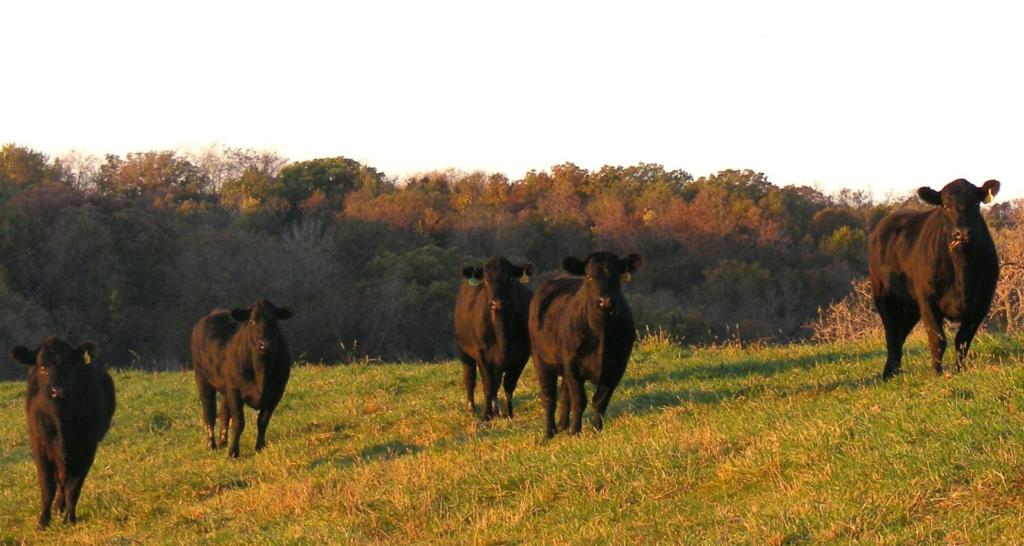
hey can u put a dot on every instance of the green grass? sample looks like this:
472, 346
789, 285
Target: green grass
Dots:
765, 445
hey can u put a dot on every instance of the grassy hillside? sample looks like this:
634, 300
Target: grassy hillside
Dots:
723, 445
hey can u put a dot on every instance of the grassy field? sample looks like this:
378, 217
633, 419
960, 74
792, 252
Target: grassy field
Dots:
764, 445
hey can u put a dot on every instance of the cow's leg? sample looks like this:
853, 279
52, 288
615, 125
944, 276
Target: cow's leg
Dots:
234, 403
602, 396
898, 321
47, 487
262, 421
73, 481
492, 392
469, 380
509, 383
564, 407
208, 399
490, 385
547, 381
933, 324
72, 489
225, 422
59, 499
578, 397
964, 337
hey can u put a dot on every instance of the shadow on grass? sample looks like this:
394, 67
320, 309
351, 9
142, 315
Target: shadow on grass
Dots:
16, 455
656, 400
222, 487
381, 452
751, 367
388, 450
648, 402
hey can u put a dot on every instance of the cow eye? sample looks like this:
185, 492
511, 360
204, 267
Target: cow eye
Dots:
589, 276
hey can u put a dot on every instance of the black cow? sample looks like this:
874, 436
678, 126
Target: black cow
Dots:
491, 329
241, 354
581, 329
69, 405
934, 265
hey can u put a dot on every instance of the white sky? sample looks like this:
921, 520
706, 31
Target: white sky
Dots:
869, 95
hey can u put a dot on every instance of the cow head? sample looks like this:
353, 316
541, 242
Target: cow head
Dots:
497, 278
260, 322
56, 365
961, 208
603, 274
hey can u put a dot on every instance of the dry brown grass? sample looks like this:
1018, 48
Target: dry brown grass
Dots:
1008, 304
852, 318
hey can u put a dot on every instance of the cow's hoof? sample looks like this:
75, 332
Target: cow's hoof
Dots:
887, 375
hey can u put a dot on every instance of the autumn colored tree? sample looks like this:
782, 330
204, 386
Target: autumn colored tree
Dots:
131, 251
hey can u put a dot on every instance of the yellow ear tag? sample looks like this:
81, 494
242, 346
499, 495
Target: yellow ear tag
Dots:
525, 278
86, 358
988, 198
626, 277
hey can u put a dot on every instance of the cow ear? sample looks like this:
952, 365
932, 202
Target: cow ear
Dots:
241, 315
86, 350
284, 313
988, 190
632, 263
523, 272
573, 265
929, 195
23, 355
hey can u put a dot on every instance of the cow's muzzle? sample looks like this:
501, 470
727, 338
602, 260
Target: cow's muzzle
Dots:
55, 393
961, 238
606, 305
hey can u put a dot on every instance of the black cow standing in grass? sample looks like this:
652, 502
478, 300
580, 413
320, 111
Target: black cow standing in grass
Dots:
69, 405
241, 354
581, 328
932, 266
491, 330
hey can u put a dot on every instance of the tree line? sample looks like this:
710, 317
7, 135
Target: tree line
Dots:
130, 251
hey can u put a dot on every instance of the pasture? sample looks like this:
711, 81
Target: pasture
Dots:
761, 445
